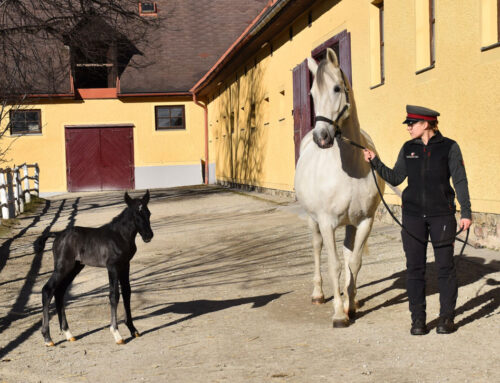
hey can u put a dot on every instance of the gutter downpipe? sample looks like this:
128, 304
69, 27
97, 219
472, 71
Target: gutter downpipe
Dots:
205, 109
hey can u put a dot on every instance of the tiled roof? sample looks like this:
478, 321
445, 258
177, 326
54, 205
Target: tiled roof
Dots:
193, 35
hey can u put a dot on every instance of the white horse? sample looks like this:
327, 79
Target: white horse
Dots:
334, 185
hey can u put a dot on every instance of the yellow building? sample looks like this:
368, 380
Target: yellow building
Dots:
117, 115
441, 54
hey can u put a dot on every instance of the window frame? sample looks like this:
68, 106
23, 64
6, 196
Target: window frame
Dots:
432, 31
497, 43
170, 128
153, 13
25, 132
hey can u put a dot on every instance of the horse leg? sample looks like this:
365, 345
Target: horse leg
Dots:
317, 240
47, 294
125, 286
114, 298
340, 319
59, 295
353, 252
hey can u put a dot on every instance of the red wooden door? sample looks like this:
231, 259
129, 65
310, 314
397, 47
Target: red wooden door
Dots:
99, 158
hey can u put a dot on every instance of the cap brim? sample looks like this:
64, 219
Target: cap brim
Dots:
410, 121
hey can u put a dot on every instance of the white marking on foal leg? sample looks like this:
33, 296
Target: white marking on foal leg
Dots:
116, 334
69, 336
49, 344
317, 241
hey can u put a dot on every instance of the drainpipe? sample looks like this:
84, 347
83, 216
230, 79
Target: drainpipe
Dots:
205, 109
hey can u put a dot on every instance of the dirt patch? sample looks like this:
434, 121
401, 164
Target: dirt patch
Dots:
222, 294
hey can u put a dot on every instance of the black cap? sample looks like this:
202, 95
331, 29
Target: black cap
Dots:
419, 113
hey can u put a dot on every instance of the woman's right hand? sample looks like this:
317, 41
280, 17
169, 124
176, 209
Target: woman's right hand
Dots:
369, 155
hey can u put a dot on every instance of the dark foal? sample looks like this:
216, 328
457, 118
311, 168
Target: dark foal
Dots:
111, 246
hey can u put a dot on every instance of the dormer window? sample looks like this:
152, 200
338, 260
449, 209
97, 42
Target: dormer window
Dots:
148, 9
95, 67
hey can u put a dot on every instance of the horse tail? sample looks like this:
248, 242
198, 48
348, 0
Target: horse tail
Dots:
39, 245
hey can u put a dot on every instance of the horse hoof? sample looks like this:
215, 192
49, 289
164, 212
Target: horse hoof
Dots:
121, 341
136, 334
49, 344
340, 323
72, 339
318, 301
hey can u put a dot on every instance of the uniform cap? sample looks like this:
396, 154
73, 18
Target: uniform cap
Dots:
419, 113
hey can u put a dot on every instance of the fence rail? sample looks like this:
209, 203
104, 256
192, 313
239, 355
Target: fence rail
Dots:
15, 191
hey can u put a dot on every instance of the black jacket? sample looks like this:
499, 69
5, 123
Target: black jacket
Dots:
429, 168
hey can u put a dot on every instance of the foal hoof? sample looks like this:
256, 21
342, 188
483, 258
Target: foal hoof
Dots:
340, 323
49, 344
318, 301
136, 334
72, 339
121, 341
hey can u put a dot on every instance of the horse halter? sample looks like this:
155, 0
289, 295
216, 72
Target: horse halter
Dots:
335, 123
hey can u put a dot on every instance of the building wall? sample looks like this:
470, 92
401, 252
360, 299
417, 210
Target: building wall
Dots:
462, 86
162, 158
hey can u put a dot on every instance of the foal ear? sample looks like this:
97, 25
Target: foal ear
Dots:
145, 199
332, 57
312, 65
128, 200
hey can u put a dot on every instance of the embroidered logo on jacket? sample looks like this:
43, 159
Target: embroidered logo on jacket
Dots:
412, 155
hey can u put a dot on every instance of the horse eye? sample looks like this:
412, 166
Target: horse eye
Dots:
336, 89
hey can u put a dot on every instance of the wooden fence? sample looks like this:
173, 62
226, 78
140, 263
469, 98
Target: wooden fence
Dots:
15, 190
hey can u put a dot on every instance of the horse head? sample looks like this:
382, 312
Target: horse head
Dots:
141, 214
330, 95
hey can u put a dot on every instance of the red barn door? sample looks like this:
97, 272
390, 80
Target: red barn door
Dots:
99, 158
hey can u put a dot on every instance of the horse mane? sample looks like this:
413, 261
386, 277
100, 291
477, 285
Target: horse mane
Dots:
320, 74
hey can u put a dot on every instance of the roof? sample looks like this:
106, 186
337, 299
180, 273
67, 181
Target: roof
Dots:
192, 37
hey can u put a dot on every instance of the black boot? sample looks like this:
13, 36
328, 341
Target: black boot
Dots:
445, 326
418, 327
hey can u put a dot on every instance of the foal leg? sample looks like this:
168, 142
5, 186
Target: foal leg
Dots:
47, 294
59, 295
340, 319
125, 286
114, 297
356, 238
317, 240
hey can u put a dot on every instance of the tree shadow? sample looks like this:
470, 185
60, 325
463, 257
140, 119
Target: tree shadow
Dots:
469, 270
196, 308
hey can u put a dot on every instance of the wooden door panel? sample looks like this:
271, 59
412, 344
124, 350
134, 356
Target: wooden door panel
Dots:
83, 159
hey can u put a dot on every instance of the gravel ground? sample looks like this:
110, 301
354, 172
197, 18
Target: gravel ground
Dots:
222, 294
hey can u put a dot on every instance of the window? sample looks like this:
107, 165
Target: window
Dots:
425, 35
25, 121
490, 24
95, 66
148, 9
377, 65
170, 117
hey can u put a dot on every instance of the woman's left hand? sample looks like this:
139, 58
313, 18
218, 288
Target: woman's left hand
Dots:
465, 223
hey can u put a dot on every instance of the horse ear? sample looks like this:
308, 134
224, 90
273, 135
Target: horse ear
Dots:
313, 65
128, 200
145, 199
332, 57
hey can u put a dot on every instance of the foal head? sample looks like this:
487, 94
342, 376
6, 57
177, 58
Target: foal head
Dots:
330, 95
141, 214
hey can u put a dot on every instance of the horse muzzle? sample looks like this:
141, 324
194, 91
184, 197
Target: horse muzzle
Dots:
147, 237
323, 138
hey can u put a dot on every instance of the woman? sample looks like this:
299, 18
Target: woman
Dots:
428, 160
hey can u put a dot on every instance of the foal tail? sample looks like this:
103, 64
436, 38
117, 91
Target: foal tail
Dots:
39, 245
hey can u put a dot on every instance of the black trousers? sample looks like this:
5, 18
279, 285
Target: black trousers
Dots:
442, 231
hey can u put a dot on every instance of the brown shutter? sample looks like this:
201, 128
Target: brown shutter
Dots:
301, 105
345, 54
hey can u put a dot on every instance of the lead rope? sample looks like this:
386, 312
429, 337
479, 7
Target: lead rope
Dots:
426, 241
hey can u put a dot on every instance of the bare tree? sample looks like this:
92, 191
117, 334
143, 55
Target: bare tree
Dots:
45, 45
